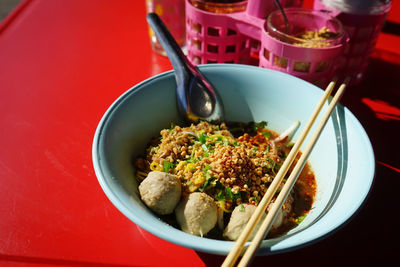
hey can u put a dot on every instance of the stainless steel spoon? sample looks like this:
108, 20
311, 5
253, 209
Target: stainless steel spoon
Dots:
196, 97
278, 4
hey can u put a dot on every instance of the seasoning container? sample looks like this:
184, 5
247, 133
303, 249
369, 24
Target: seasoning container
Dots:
172, 13
363, 21
227, 31
211, 34
309, 49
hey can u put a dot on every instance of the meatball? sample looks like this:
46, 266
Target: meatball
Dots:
161, 192
242, 213
239, 218
197, 214
282, 214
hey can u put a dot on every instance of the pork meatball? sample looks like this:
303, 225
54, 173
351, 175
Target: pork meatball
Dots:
242, 213
161, 192
282, 214
197, 214
239, 218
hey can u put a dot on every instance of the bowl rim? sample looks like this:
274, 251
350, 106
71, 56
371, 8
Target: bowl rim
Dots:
213, 246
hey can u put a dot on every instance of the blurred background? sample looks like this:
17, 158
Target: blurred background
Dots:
6, 6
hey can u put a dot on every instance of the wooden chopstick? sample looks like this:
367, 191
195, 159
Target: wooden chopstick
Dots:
267, 223
244, 236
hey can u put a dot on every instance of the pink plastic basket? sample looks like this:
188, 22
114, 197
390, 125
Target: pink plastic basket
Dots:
232, 36
314, 64
214, 37
239, 36
363, 31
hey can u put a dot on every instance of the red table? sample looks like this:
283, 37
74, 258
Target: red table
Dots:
62, 63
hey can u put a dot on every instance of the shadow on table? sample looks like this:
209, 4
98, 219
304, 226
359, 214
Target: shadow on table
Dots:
376, 103
366, 238
391, 27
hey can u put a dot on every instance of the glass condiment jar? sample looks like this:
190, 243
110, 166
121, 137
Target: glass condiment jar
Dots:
308, 49
307, 28
172, 13
363, 21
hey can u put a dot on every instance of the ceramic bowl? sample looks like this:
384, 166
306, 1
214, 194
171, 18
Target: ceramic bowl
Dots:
342, 159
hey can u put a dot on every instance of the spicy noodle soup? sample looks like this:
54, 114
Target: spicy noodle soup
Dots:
233, 164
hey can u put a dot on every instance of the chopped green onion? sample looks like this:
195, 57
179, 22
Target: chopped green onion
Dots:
220, 196
207, 168
192, 160
266, 134
207, 184
206, 172
300, 219
241, 208
228, 193
203, 138
289, 145
259, 125
167, 166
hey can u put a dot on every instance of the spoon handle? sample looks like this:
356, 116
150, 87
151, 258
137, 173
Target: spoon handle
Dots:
178, 60
278, 4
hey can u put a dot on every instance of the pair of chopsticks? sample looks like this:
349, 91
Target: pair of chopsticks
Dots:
233, 255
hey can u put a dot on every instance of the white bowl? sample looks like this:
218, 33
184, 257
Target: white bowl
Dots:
343, 159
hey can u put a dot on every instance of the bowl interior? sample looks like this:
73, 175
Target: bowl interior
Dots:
342, 159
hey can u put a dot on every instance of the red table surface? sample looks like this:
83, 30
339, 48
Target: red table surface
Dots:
62, 63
